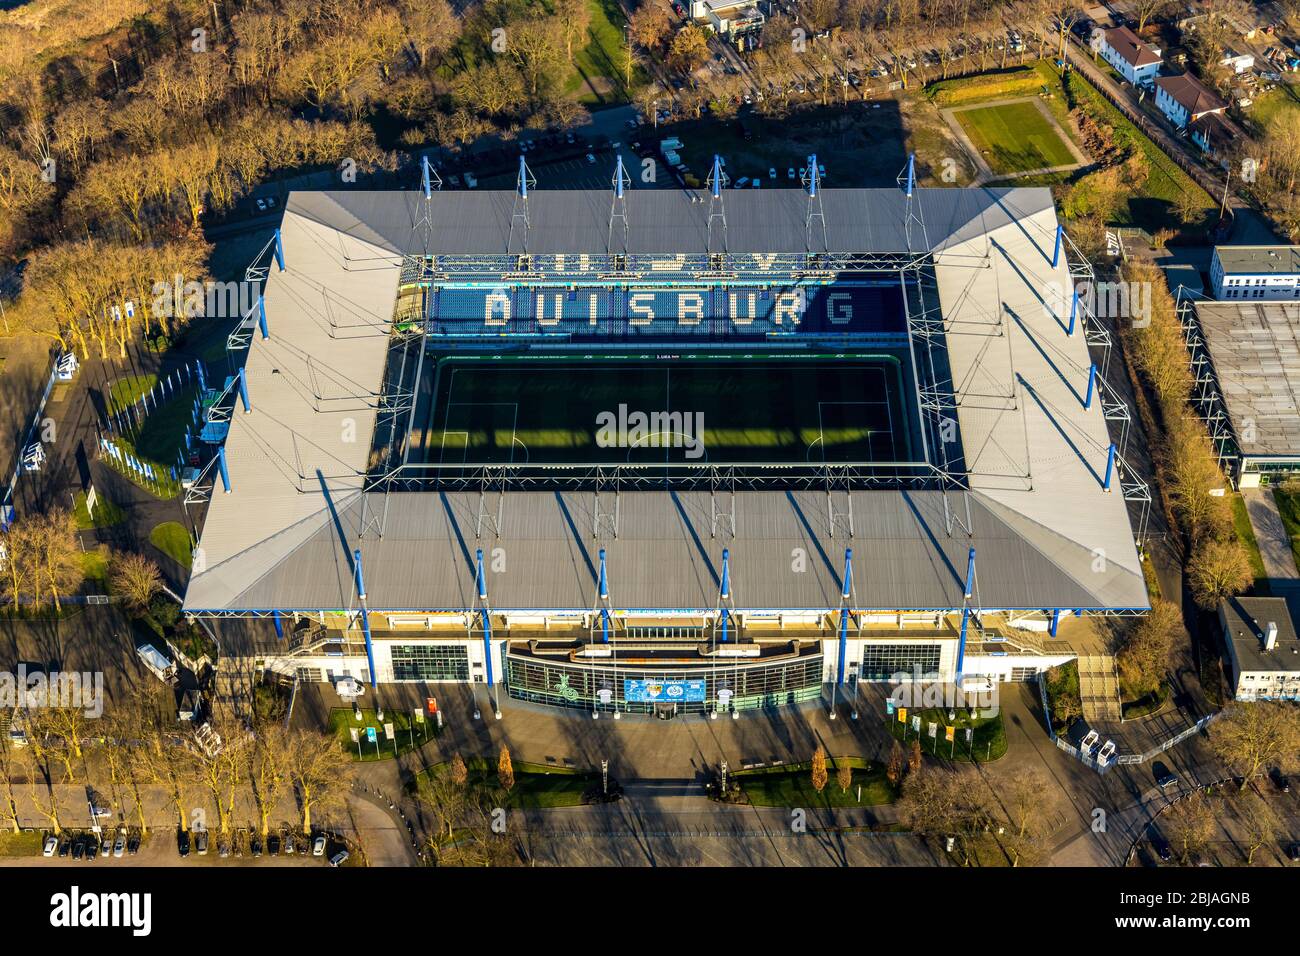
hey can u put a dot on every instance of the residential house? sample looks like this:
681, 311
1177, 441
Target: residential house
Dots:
1184, 99
1131, 56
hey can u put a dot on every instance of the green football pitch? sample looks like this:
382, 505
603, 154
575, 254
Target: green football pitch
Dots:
1015, 137
613, 410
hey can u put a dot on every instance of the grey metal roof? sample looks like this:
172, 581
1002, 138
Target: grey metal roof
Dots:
666, 557
469, 222
1049, 535
1255, 348
1259, 260
1246, 619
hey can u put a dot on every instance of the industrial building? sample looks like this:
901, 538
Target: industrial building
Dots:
1246, 365
877, 439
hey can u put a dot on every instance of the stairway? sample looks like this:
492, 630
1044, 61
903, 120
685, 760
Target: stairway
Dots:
1099, 688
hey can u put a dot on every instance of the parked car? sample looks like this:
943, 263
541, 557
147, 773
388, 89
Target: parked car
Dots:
771, 172
51, 845
201, 842
591, 159
255, 845
119, 845
183, 842
1293, 853
105, 847
272, 845
339, 858
1161, 846
1280, 780
79, 848
65, 847
318, 847
132, 845
288, 845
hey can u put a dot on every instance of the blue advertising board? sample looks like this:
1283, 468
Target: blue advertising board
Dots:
663, 691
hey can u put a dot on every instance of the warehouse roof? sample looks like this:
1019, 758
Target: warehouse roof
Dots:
1255, 350
1048, 533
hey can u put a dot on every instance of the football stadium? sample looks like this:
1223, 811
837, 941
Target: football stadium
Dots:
663, 451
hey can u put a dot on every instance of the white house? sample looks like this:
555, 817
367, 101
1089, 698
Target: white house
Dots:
1133, 58
1184, 99
1262, 648
1269, 273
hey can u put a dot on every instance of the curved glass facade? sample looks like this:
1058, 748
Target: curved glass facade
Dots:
602, 686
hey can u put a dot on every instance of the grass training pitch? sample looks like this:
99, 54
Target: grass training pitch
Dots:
1015, 137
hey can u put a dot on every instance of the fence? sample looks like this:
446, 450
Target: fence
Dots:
1103, 767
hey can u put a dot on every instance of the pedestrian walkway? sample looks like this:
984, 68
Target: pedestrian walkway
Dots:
1270, 534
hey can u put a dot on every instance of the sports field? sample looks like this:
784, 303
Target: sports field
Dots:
1015, 137
696, 409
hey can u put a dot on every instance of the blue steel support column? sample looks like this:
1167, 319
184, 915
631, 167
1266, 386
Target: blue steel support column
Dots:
1056, 250
1074, 311
221, 466
965, 614
481, 580
911, 174
279, 250
523, 179
424, 177
243, 392
365, 617
1056, 619
1110, 468
279, 628
961, 645
717, 176
618, 177
604, 596
261, 317
844, 613
1092, 385
725, 593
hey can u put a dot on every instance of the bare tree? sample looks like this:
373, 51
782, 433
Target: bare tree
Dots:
320, 772
1190, 825
136, 578
1251, 737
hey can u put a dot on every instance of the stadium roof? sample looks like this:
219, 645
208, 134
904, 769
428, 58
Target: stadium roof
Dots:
1255, 350
1047, 534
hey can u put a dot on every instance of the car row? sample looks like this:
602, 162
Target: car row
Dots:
285, 842
91, 846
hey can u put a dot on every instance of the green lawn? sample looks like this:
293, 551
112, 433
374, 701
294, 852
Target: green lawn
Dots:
173, 540
989, 740
1019, 81
790, 785
106, 514
1288, 503
537, 786
1246, 535
94, 564
598, 62
1015, 137
129, 389
341, 722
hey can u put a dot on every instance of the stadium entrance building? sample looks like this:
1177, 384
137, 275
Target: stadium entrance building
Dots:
646, 449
